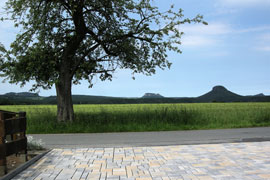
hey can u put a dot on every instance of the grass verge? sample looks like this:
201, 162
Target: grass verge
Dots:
146, 117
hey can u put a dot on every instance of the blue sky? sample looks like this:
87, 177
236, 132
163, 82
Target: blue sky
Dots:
233, 51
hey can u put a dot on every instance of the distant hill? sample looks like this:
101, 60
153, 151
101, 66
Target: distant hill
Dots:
13, 98
259, 95
22, 94
152, 95
219, 94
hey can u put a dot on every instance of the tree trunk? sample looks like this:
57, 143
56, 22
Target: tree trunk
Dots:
65, 111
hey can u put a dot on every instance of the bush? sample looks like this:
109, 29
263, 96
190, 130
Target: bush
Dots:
33, 144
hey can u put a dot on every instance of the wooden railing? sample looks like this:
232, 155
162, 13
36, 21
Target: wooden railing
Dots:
12, 136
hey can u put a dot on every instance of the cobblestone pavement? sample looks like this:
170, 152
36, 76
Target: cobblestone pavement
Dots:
201, 162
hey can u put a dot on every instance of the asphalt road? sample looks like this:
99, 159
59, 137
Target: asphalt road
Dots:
154, 138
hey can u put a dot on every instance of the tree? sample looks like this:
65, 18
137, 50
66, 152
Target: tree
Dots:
64, 41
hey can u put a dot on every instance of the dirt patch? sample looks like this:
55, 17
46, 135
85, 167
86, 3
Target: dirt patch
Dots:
15, 161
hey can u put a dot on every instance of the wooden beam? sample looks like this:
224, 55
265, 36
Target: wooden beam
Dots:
15, 125
2, 152
16, 146
2, 129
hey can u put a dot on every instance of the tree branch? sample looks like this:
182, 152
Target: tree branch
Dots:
76, 66
101, 43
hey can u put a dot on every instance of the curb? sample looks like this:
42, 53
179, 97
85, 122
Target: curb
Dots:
22, 167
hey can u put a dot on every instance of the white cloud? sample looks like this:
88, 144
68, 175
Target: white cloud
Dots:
7, 33
198, 41
265, 37
2, 5
263, 42
221, 11
252, 29
263, 48
211, 29
199, 35
6, 24
225, 7
244, 3
7, 30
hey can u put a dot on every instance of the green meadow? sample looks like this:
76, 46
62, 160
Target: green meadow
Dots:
146, 117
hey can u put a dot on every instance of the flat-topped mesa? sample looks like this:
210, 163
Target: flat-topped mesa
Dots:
152, 95
219, 88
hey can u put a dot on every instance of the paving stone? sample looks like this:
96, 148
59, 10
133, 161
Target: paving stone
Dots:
187, 162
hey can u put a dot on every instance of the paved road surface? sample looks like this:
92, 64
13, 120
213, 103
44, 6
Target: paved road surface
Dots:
154, 138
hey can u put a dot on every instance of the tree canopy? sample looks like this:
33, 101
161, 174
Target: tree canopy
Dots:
81, 39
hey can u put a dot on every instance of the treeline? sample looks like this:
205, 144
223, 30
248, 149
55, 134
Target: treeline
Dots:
81, 99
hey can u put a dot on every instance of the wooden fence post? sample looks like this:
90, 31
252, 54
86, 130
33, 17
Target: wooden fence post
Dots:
3, 164
22, 134
14, 125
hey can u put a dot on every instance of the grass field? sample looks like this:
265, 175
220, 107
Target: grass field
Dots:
146, 117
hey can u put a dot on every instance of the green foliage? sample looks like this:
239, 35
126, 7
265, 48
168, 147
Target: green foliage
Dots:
83, 39
146, 117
